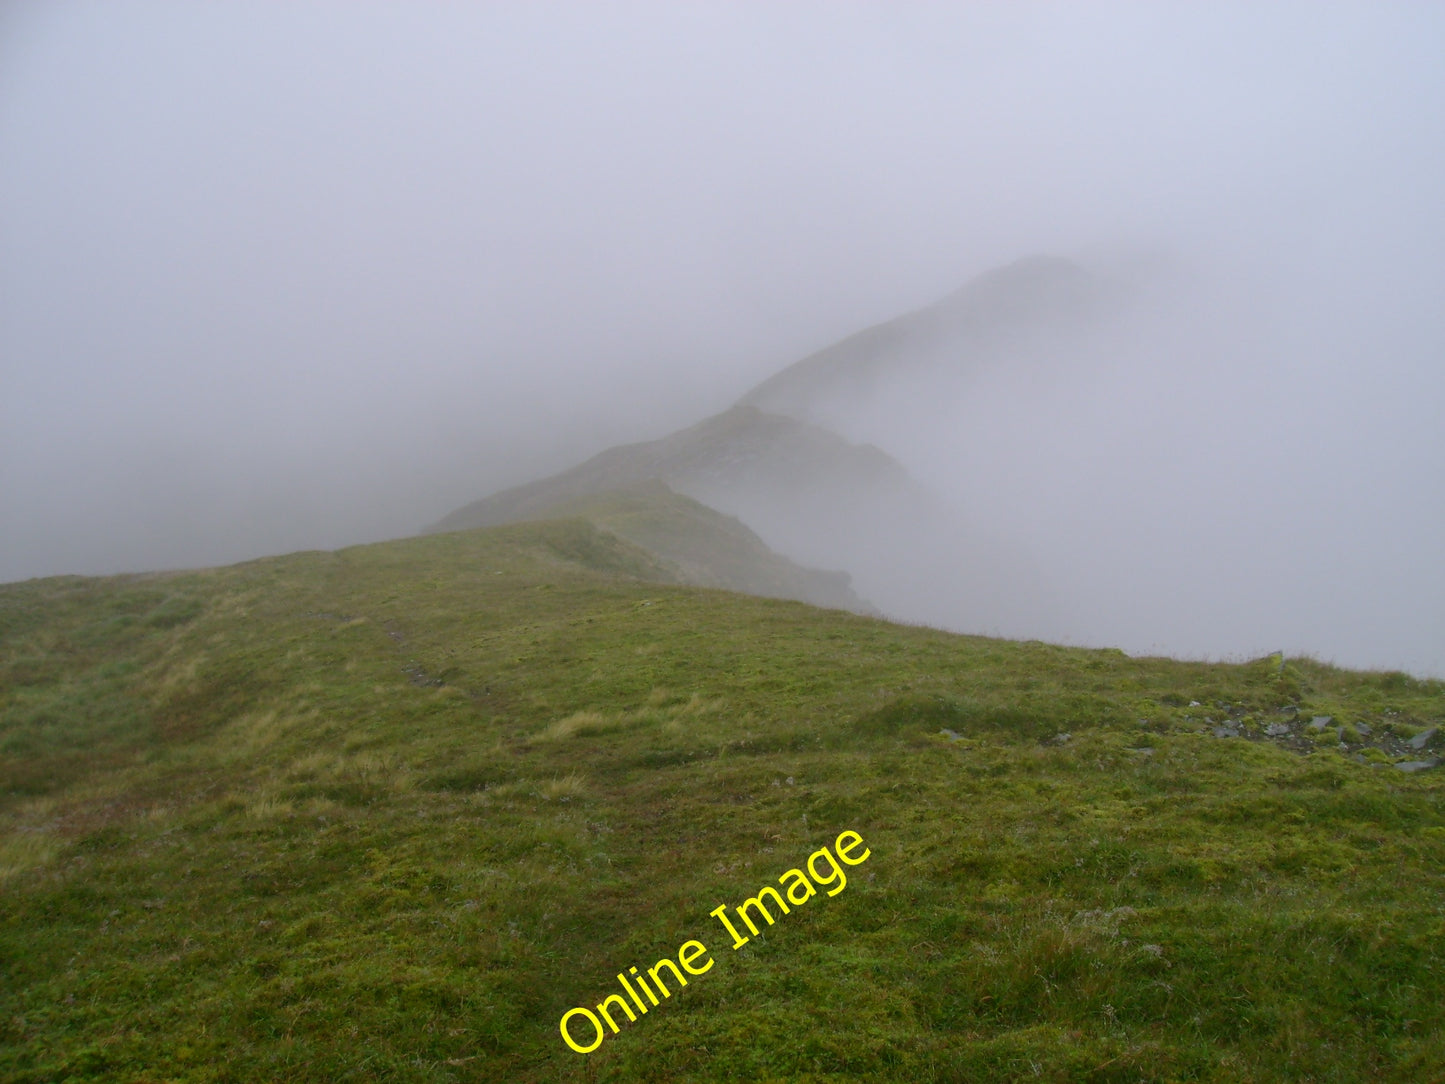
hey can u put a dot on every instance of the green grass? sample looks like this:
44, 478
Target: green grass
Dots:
704, 547
388, 813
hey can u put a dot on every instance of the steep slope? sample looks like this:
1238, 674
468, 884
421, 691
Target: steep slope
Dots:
1001, 311
741, 451
389, 813
790, 482
709, 549
698, 544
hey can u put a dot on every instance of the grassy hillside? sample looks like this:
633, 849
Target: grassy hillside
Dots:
703, 547
389, 813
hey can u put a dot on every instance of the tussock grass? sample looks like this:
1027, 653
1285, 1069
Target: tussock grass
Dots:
269, 807
662, 709
580, 724
26, 851
563, 788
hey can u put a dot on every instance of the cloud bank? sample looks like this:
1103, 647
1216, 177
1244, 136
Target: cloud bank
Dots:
278, 277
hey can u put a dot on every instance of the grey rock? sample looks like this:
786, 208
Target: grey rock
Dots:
1319, 722
1062, 738
1416, 765
1424, 738
1363, 729
1290, 710
951, 735
1277, 730
1226, 732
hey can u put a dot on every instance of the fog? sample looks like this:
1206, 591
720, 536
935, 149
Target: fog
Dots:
277, 277
1204, 464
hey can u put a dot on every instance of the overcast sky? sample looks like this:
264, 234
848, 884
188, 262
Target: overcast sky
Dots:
280, 276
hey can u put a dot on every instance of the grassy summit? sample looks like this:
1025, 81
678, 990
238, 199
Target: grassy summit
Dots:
388, 813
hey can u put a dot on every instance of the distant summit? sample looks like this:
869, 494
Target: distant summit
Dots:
773, 462
1032, 296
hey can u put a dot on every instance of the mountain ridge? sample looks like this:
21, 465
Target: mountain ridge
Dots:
1028, 293
732, 445
820, 500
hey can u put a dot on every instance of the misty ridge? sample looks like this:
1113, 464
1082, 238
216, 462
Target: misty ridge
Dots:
1051, 452
1107, 328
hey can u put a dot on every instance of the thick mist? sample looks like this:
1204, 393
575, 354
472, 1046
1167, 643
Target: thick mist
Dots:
289, 276
1212, 464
